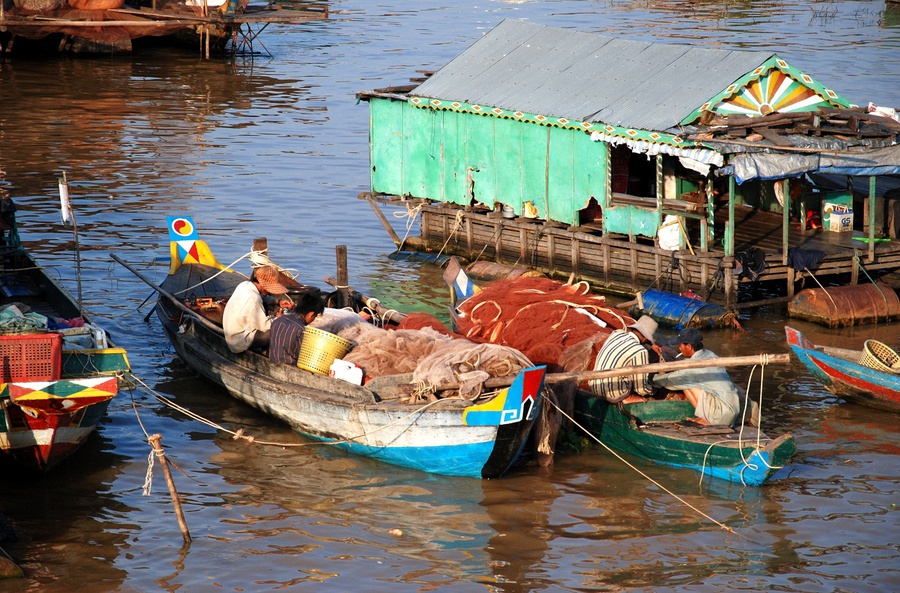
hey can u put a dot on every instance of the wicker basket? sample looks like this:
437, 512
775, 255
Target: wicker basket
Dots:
880, 357
319, 349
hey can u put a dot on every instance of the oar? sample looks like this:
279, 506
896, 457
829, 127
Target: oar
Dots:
659, 367
203, 320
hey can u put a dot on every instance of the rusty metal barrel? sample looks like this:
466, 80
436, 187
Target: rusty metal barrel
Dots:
844, 306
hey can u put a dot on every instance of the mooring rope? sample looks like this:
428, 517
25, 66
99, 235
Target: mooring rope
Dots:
457, 222
644, 475
825, 290
411, 214
240, 434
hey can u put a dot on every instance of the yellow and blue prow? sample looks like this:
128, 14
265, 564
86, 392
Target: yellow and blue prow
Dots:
185, 246
520, 402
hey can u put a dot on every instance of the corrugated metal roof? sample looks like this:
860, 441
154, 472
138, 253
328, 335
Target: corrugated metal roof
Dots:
522, 66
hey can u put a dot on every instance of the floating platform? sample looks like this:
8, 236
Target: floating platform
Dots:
60, 26
616, 263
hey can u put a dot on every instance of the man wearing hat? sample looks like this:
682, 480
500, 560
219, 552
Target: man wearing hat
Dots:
710, 390
623, 348
244, 320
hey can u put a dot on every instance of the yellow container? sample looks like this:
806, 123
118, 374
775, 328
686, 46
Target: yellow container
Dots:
319, 349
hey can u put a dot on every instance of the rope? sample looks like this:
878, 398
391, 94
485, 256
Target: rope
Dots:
457, 222
411, 214
240, 435
875, 284
825, 290
642, 474
222, 271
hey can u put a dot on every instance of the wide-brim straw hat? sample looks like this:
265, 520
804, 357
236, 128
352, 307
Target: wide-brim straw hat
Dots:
267, 277
646, 325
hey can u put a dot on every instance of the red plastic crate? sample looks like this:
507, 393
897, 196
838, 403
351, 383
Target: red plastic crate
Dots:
30, 357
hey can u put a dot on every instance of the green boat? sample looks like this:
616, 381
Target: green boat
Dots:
660, 431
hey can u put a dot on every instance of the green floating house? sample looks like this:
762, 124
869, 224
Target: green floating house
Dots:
628, 162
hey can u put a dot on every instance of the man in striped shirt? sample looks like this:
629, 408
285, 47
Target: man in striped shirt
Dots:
626, 347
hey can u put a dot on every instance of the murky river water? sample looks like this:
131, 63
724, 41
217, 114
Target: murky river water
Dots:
277, 147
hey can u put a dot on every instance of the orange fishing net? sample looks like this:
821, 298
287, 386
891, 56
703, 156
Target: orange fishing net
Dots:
560, 325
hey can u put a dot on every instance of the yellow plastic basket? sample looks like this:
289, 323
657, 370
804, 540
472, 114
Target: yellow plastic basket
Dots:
880, 357
319, 349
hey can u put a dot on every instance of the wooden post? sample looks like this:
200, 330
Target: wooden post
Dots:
872, 206
155, 443
261, 244
729, 231
343, 277
383, 219
786, 220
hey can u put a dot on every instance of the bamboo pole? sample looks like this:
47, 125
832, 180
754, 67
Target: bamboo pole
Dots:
155, 442
384, 220
660, 367
206, 322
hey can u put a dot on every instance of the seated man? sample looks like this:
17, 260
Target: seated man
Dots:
710, 390
244, 319
627, 347
287, 329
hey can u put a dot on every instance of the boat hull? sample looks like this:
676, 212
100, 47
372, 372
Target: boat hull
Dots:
46, 415
840, 375
663, 437
43, 423
449, 437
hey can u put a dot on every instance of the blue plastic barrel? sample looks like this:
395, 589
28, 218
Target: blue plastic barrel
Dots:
674, 310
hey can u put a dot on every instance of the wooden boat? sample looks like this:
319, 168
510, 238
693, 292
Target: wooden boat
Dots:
659, 430
57, 381
451, 436
841, 373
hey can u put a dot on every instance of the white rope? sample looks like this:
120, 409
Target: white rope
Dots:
148, 479
222, 271
411, 214
652, 481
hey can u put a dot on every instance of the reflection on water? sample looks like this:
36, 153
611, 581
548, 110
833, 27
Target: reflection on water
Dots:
278, 148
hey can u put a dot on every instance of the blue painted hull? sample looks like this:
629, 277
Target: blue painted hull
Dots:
841, 375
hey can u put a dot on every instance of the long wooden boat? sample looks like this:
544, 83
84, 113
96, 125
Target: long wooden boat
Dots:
56, 381
659, 430
451, 436
841, 373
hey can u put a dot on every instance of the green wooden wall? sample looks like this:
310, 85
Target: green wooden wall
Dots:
446, 155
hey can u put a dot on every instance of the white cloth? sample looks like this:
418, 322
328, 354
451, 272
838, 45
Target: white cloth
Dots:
244, 315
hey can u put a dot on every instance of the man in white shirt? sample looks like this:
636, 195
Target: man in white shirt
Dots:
244, 320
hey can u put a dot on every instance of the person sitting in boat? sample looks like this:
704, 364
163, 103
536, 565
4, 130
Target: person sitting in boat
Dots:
287, 329
244, 319
631, 346
714, 397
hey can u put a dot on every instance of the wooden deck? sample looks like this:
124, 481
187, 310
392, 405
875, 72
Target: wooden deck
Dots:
622, 264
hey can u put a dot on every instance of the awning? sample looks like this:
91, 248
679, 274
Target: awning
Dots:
761, 165
701, 155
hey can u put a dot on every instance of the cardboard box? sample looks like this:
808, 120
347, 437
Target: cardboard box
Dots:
837, 212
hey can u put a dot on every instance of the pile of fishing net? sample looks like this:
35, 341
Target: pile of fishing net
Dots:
436, 360
550, 322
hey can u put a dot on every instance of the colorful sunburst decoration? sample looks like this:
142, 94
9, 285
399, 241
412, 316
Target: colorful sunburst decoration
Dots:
771, 92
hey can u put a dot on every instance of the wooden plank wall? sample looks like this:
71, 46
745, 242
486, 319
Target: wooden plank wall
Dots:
607, 262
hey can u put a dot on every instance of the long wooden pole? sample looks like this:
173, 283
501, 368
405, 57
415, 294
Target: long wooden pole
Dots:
155, 442
660, 367
206, 322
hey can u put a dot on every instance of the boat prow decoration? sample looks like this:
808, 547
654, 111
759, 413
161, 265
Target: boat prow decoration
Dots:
185, 245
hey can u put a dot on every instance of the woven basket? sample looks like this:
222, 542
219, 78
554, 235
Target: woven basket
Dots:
319, 349
880, 357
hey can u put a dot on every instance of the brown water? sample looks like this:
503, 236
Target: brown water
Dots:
277, 147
